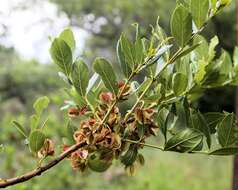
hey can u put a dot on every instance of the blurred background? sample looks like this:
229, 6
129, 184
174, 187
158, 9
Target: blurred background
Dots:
26, 73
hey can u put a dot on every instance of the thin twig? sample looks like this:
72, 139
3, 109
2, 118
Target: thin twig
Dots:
138, 100
170, 61
144, 144
38, 171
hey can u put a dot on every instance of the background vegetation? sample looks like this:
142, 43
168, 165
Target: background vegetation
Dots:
23, 81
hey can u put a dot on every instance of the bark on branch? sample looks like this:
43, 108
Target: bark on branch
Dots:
38, 171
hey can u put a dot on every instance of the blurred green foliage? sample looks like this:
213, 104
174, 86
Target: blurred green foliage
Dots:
106, 19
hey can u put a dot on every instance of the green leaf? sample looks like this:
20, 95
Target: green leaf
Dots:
167, 119
213, 3
68, 36
41, 104
188, 50
185, 3
61, 55
226, 65
201, 72
139, 54
227, 135
92, 98
98, 165
105, 70
225, 151
80, 77
213, 118
34, 121
235, 57
199, 10
143, 86
179, 83
171, 118
183, 66
130, 156
211, 51
36, 140
64, 77
161, 118
160, 52
181, 25
70, 132
92, 82
202, 49
128, 50
199, 123
122, 60
141, 130
182, 113
20, 128
218, 5
76, 98
213, 6
185, 141
224, 3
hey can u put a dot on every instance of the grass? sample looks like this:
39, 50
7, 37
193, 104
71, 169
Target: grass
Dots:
162, 171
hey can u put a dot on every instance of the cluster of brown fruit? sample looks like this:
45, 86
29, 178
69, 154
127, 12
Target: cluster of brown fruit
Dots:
113, 139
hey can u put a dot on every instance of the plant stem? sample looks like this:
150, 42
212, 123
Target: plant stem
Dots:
92, 108
144, 144
117, 98
160, 148
170, 61
38, 171
138, 100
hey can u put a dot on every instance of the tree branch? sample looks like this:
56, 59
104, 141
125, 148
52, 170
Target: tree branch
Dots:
38, 171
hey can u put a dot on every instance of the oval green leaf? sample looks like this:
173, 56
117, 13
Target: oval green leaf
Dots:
130, 156
225, 151
19, 128
68, 36
105, 70
36, 140
199, 10
226, 131
40, 104
181, 25
179, 83
185, 141
122, 60
80, 77
61, 55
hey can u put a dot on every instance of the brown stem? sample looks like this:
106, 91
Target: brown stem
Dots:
38, 171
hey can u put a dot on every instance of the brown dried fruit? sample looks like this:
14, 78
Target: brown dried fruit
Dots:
47, 149
73, 112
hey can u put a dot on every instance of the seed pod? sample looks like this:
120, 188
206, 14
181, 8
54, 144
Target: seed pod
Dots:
107, 97
73, 112
139, 115
83, 110
79, 136
47, 149
126, 89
